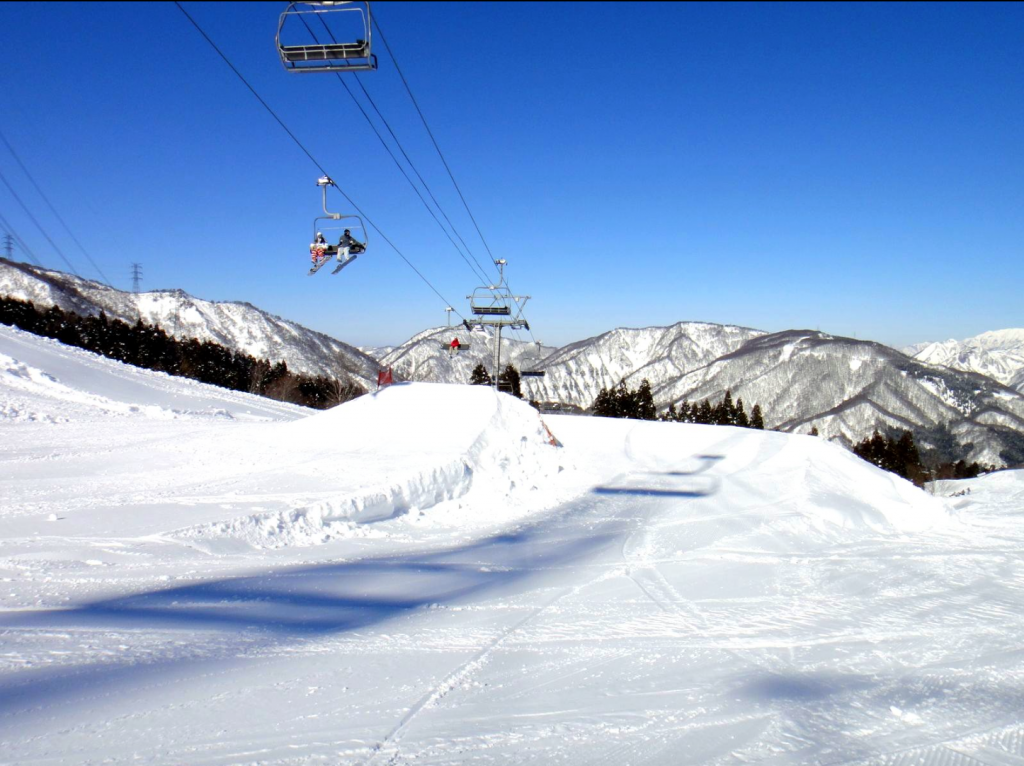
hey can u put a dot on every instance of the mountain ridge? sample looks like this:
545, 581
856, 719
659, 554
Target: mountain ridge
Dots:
802, 379
238, 325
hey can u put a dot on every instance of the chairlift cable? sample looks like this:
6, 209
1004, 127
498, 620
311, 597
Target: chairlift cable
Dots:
431, 134
413, 166
308, 154
469, 250
38, 225
387, 148
50, 205
408, 89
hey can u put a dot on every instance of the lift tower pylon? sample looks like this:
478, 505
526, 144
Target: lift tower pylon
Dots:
495, 306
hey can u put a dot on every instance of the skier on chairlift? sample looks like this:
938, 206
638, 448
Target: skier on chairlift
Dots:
348, 243
317, 249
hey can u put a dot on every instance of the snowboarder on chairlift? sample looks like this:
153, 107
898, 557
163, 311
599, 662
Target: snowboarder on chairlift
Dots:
317, 249
453, 348
346, 243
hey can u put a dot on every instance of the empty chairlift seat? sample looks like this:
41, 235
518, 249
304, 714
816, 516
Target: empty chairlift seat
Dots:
490, 302
327, 21
332, 52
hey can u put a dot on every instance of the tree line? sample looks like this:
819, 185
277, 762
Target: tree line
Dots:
624, 402
147, 346
725, 413
898, 454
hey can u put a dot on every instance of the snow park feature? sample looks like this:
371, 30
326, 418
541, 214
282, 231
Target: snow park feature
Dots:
194, 575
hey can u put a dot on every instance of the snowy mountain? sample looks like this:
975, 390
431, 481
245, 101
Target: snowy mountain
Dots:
801, 379
238, 326
998, 354
427, 356
847, 388
576, 373
384, 583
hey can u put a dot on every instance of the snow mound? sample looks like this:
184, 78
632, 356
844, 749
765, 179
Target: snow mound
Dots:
830, 493
836, 490
1003, 490
43, 380
403, 451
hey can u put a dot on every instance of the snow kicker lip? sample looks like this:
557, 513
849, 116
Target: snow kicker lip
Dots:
335, 517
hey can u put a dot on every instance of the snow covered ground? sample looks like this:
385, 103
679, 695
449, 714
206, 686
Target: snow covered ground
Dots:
189, 575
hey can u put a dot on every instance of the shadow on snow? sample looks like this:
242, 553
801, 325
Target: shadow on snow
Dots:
312, 601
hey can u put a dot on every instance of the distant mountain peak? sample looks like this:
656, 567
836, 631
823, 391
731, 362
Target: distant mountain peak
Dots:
999, 354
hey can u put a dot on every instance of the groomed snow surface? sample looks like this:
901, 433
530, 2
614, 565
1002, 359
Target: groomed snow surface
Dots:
195, 576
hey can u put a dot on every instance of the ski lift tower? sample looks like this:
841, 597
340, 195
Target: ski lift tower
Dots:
495, 306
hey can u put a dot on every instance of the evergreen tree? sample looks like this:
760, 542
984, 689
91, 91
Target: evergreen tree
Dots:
685, 412
724, 414
899, 456
509, 382
604, 405
756, 418
480, 376
644, 402
623, 402
740, 417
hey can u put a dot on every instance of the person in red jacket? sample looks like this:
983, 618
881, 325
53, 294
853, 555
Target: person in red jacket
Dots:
453, 349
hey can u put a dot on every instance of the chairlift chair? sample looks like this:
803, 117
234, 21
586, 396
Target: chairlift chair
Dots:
354, 56
330, 249
489, 301
534, 361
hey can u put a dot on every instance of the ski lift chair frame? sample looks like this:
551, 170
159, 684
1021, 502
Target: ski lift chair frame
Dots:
330, 249
533, 373
328, 57
490, 301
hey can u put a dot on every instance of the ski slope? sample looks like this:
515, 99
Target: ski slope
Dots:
189, 575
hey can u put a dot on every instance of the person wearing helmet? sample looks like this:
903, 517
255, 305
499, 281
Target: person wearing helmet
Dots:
320, 239
347, 243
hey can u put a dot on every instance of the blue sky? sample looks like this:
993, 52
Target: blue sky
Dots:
855, 168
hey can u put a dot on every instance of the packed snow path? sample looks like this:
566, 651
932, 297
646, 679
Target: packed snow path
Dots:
184, 584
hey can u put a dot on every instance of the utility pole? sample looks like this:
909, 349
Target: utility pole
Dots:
448, 311
9, 246
136, 276
504, 308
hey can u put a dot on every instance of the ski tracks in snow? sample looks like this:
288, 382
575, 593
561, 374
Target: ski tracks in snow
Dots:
643, 510
388, 746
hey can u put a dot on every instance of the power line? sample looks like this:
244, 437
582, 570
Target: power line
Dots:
478, 270
50, 205
38, 226
21, 243
307, 152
